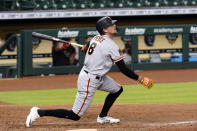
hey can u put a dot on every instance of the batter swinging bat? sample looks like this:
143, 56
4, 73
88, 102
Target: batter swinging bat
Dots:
51, 38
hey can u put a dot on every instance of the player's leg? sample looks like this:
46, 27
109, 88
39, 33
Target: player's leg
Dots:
60, 113
114, 90
82, 95
82, 101
36, 112
109, 100
88, 86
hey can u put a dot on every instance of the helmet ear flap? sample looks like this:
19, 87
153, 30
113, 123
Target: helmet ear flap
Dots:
99, 28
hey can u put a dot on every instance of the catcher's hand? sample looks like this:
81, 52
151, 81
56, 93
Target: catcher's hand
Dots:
148, 83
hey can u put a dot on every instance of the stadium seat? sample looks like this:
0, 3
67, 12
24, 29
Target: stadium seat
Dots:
165, 56
192, 2
25, 4
173, 3
90, 4
139, 3
62, 4
143, 58
52, 4
87, 4
45, 4
118, 3
73, 4
147, 3
82, 4
2, 5
155, 58
111, 3
128, 3
100, 3
164, 3
6, 5
189, 2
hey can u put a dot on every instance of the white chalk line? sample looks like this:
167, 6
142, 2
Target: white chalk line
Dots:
134, 123
182, 122
170, 123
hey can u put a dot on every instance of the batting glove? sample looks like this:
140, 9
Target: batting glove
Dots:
84, 48
66, 45
148, 83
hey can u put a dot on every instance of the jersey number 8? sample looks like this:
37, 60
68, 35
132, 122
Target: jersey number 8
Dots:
91, 48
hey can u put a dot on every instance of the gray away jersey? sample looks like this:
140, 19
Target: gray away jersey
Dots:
101, 55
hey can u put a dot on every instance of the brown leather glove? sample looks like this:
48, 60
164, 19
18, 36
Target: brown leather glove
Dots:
145, 81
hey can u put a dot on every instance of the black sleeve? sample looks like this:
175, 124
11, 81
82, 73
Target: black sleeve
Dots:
122, 67
88, 44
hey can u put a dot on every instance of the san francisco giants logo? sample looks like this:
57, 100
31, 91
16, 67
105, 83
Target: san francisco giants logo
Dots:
91, 48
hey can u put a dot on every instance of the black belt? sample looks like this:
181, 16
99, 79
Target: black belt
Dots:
97, 77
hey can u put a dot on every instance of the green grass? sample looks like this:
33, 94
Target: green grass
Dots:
160, 93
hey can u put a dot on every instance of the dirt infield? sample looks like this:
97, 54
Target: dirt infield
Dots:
134, 117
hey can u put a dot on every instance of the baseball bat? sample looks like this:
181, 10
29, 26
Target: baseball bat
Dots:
51, 38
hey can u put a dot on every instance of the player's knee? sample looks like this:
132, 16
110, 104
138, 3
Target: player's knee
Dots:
120, 91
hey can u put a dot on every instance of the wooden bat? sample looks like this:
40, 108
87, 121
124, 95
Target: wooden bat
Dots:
51, 38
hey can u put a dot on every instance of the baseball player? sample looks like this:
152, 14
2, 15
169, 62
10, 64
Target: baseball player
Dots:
101, 53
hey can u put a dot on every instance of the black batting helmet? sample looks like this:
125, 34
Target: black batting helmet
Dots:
104, 22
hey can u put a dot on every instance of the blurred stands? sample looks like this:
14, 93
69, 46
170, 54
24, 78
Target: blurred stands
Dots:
6, 5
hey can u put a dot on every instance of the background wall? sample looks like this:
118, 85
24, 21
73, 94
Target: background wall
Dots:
17, 25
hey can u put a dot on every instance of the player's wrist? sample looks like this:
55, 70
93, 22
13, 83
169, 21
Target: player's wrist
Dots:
145, 81
140, 79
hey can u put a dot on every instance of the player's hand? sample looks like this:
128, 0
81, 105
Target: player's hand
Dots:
66, 45
145, 81
84, 48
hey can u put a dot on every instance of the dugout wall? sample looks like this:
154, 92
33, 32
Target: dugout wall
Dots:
180, 34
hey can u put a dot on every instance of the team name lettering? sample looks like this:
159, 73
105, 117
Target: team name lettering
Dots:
99, 39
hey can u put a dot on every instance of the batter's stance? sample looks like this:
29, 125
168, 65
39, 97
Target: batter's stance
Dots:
101, 53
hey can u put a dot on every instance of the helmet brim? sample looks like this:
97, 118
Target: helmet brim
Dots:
114, 21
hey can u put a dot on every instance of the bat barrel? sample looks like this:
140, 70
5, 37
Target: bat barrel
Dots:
46, 37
